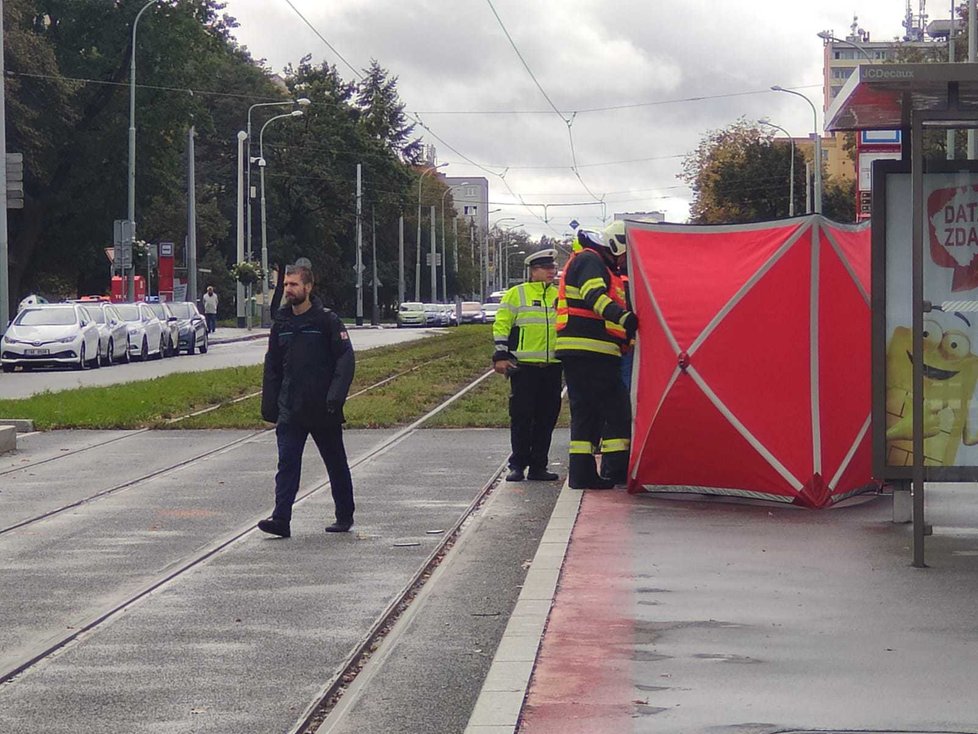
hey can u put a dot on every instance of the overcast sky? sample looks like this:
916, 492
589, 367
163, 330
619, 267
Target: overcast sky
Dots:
671, 69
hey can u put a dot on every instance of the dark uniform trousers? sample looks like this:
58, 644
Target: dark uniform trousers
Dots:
534, 404
329, 440
600, 411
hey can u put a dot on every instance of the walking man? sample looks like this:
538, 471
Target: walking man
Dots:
525, 337
308, 370
210, 309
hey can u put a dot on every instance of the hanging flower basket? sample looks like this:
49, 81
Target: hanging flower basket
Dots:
247, 273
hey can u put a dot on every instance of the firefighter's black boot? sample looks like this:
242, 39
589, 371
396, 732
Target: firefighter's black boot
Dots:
614, 466
582, 473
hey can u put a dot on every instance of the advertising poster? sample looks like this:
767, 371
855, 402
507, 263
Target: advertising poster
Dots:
950, 360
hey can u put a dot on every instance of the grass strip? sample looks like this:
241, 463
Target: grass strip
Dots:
450, 360
486, 406
447, 361
133, 404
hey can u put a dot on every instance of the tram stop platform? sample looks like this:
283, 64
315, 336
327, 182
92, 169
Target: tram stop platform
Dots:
695, 615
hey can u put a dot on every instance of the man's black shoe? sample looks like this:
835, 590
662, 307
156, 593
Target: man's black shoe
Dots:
515, 475
541, 475
339, 527
275, 527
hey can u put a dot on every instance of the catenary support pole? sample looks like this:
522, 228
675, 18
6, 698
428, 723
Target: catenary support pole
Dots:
400, 260
239, 251
4, 242
434, 266
972, 58
375, 312
192, 292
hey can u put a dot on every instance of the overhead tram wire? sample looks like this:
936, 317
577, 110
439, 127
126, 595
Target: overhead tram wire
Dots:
588, 110
416, 119
568, 121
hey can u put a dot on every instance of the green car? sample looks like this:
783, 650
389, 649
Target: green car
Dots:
410, 314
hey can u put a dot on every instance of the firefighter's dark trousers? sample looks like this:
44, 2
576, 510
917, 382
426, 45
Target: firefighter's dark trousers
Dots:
600, 415
534, 404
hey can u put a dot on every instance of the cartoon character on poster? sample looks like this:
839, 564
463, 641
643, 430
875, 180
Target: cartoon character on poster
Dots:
950, 364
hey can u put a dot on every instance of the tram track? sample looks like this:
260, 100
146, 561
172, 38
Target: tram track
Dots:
167, 469
31, 656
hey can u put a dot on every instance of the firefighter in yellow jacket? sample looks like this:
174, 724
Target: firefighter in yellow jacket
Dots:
525, 338
594, 325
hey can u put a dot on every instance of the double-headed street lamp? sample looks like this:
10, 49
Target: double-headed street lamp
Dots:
818, 146
791, 179
264, 220
417, 260
301, 102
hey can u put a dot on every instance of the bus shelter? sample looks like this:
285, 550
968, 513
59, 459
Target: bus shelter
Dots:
924, 275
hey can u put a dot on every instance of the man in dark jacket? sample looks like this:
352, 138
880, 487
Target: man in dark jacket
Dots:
308, 370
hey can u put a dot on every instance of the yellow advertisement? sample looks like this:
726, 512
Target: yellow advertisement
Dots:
950, 362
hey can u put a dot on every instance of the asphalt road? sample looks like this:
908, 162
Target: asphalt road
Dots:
221, 354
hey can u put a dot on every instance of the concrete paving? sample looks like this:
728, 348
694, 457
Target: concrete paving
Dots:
688, 616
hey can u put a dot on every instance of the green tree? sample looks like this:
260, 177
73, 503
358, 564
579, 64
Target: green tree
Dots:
741, 174
382, 113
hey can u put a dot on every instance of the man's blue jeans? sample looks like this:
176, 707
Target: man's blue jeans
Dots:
291, 441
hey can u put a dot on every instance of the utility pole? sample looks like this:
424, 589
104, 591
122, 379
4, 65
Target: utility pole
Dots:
359, 246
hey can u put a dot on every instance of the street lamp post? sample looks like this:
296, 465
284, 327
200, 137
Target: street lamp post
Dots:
444, 244
302, 102
818, 146
791, 179
826, 36
265, 317
417, 260
497, 252
131, 208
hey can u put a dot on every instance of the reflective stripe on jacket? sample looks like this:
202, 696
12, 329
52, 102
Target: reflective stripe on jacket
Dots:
591, 307
525, 323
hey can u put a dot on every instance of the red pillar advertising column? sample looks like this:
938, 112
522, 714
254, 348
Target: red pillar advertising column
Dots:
165, 271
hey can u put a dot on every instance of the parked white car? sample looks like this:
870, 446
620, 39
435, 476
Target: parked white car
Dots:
113, 332
51, 334
146, 335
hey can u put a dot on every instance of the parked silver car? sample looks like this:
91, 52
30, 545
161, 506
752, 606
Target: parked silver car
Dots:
146, 337
51, 334
170, 328
113, 332
191, 326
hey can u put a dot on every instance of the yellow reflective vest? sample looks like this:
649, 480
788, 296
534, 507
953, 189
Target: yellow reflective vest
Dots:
591, 308
525, 325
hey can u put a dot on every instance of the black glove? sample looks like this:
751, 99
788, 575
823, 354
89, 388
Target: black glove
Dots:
630, 322
334, 406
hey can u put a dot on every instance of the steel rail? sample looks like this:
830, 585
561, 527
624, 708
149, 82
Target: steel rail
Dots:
178, 569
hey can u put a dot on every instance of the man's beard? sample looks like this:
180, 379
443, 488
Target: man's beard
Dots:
296, 300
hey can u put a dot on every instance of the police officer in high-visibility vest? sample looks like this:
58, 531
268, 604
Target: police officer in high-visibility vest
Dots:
525, 338
593, 326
